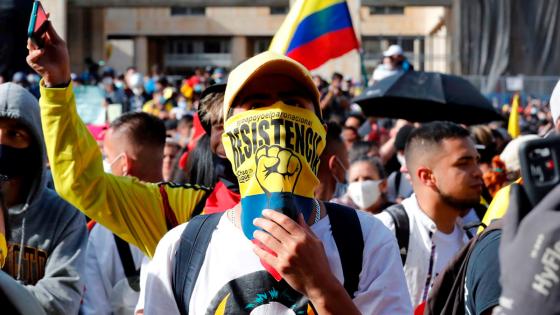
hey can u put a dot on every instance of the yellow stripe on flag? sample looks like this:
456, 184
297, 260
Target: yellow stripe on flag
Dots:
299, 11
513, 124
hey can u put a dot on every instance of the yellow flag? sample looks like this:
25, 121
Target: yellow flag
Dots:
513, 125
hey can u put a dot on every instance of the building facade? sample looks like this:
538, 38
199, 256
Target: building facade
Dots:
182, 35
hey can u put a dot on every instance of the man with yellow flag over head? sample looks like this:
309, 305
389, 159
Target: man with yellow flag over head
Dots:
279, 251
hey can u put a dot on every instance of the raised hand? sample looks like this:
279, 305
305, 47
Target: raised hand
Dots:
52, 61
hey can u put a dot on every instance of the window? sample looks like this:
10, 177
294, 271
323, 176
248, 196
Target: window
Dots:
260, 45
386, 10
178, 10
212, 47
407, 44
372, 45
281, 10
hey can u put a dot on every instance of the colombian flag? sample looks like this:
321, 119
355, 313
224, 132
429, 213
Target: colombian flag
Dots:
316, 31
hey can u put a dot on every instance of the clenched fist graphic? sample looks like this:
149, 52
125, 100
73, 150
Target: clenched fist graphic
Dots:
278, 169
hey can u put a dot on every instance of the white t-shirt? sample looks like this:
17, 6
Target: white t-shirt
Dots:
447, 246
232, 275
429, 250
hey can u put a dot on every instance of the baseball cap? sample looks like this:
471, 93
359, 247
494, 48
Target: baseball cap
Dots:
215, 88
555, 103
393, 50
268, 63
510, 154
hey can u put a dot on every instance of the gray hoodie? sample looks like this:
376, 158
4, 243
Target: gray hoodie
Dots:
47, 237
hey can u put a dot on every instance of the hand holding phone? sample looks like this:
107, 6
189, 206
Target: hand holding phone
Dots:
51, 61
38, 24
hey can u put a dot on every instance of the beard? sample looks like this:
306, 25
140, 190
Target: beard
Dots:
462, 204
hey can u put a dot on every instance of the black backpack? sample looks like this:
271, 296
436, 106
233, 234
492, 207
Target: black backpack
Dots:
402, 228
346, 230
447, 296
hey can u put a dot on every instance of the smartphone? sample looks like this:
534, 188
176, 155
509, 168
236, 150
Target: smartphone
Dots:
38, 24
540, 166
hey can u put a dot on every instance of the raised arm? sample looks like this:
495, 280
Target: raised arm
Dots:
132, 209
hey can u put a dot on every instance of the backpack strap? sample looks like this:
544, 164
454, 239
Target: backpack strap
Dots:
126, 257
402, 228
190, 256
347, 234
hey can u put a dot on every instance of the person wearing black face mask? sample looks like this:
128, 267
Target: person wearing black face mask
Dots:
50, 232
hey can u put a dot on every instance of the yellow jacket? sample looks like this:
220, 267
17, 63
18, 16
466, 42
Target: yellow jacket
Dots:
499, 205
132, 209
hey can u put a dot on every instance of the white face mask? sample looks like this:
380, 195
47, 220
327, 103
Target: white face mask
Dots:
107, 166
364, 194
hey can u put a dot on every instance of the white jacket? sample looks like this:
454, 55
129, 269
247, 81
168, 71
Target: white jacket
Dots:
104, 270
420, 260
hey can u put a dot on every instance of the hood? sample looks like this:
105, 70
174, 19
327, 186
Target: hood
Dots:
17, 103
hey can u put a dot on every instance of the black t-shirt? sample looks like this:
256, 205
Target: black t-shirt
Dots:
482, 285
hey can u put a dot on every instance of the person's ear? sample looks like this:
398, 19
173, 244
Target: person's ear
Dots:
383, 186
336, 169
127, 165
425, 176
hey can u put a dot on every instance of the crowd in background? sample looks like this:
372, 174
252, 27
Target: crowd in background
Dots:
364, 160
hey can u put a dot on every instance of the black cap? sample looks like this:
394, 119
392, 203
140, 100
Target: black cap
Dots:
216, 88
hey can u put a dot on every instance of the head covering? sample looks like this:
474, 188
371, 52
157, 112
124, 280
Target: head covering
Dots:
268, 63
555, 103
18, 103
393, 50
510, 155
215, 88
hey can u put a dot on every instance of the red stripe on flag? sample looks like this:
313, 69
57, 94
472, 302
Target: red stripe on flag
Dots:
324, 48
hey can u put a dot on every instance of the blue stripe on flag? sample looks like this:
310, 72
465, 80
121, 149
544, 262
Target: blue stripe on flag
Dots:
333, 18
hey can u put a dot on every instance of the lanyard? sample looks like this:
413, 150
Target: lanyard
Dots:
428, 285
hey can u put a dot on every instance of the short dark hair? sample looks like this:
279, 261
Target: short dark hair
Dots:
373, 161
337, 75
402, 137
431, 134
141, 128
186, 120
333, 132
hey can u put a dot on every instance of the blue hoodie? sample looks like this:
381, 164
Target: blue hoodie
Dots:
47, 237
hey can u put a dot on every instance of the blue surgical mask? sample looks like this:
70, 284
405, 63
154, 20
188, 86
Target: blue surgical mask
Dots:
340, 189
341, 186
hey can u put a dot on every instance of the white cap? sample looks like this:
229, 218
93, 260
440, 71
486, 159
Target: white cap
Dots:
555, 103
510, 155
393, 50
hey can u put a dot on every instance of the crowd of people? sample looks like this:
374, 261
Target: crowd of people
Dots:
261, 191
